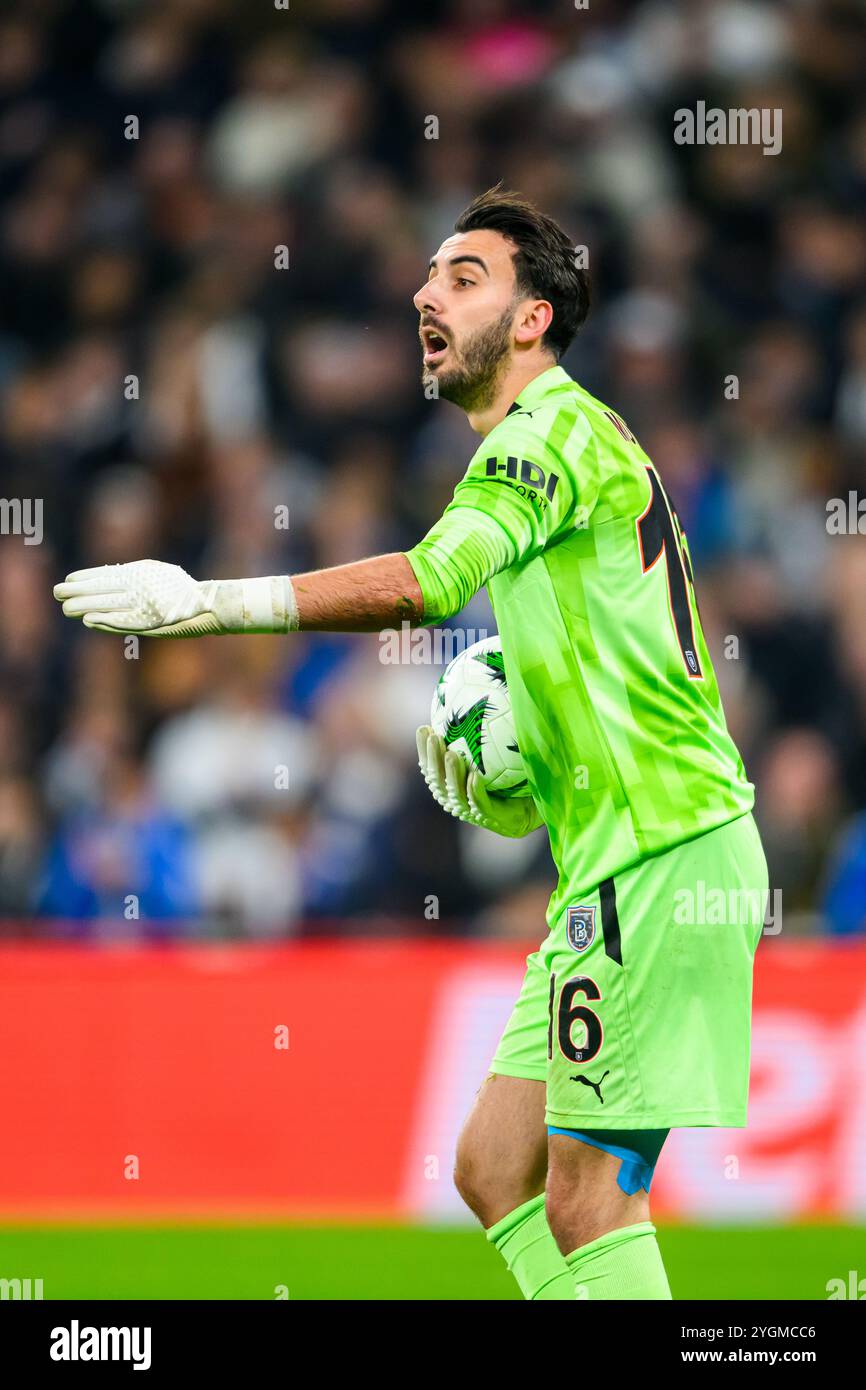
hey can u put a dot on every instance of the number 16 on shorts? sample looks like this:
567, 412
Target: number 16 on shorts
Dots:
569, 1010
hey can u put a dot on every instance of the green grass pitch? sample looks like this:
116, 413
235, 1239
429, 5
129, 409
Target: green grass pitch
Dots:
393, 1262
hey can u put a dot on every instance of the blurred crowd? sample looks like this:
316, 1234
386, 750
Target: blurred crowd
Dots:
173, 385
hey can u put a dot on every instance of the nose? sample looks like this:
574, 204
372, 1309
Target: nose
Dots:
427, 300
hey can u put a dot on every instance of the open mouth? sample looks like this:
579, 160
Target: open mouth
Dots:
435, 346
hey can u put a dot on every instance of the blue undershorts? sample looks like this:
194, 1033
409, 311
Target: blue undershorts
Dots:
638, 1148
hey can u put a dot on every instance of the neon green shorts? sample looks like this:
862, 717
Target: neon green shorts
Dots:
636, 1010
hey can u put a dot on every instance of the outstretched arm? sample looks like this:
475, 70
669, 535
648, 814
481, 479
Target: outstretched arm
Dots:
151, 598
487, 527
159, 600
365, 596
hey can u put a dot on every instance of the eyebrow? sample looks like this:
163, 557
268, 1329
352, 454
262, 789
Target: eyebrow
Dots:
459, 260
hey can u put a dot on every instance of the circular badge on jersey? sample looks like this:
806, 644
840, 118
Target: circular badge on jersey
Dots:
580, 927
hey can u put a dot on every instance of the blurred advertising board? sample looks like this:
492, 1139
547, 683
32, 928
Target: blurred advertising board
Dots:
330, 1079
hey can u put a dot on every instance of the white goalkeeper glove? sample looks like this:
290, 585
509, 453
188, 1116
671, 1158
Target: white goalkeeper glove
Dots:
462, 792
159, 600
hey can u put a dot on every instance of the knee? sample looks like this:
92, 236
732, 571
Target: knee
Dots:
476, 1182
583, 1200
468, 1181
490, 1188
568, 1215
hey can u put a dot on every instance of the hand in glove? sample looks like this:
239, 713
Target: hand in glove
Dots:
462, 792
153, 599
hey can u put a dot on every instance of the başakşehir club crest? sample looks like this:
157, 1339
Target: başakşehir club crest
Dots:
580, 927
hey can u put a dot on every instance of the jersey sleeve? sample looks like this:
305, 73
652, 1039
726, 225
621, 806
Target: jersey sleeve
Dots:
515, 499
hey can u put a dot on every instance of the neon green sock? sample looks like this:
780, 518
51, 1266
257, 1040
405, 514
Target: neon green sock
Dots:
524, 1241
625, 1263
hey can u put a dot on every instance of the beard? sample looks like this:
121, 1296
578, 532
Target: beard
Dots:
482, 360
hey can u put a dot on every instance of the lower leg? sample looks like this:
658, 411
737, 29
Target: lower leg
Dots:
500, 1174
603, 1232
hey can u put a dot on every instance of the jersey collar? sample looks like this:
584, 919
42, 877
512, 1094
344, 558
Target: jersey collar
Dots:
535, 390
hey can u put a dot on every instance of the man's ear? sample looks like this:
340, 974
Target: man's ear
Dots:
534, 320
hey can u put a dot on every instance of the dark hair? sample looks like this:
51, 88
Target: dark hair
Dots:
544, 262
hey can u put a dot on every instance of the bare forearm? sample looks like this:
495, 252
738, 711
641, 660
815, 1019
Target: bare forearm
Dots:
365, 596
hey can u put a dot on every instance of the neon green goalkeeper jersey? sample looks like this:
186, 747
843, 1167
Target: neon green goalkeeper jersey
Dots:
616, 704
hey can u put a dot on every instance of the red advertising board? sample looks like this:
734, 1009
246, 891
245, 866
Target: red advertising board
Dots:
330, 1079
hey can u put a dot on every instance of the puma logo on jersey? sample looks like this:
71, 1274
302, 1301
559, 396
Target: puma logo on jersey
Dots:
521, 470
596, 1085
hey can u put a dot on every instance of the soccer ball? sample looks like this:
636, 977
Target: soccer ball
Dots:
471, 711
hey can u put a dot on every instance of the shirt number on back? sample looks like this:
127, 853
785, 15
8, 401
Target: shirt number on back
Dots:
658, 534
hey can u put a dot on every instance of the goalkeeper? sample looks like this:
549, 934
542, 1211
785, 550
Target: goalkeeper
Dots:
634, 1015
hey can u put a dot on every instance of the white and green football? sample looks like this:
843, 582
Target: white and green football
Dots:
471, 711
